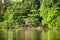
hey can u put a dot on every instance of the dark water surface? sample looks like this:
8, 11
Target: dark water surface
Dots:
29, 35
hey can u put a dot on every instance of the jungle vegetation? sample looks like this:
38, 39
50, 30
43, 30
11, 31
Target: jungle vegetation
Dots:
39, 12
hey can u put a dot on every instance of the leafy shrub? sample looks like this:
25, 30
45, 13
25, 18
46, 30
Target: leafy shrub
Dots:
49, 11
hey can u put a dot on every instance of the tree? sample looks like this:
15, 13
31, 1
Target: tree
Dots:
49, 11
15, 10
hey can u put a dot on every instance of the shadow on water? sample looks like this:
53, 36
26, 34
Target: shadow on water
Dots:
29, 34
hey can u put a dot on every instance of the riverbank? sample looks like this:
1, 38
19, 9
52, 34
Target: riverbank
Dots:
37, 28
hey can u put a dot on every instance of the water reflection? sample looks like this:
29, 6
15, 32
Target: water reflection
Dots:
51, 35
29, 35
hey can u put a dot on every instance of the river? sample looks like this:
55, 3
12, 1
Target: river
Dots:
29, 34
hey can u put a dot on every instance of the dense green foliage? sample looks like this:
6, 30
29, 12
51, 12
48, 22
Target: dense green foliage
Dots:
12, 12
50, 12
15, 10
